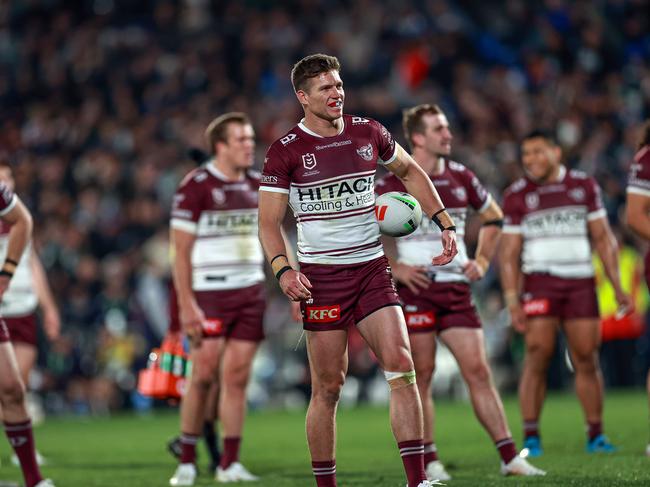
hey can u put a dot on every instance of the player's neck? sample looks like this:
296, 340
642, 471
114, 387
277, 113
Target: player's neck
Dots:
229, 171
433, 165
322, 127
555, 176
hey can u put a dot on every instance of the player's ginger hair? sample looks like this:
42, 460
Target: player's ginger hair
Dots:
310, 67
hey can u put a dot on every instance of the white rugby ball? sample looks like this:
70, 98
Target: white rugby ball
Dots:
398, 214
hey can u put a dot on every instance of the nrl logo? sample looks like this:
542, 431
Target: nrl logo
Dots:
219, 196
532, 201
365, 152
459, 193
309, 161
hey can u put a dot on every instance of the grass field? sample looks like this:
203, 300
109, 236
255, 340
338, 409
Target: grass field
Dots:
129, 451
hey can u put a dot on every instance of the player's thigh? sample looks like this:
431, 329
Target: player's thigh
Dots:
26, 358
583, 336
468, 348
237, 359
385, 333
328, 358
9, 373
423, 351
206, 359
540, 336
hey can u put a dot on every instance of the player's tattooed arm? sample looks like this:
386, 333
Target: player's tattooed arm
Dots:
272, 207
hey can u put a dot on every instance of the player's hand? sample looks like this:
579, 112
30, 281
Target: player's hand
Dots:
625, 304
52, 324
449, 249
413, 277
473, 270
296, 313
517, 317
4, 284
295, 285
192, 319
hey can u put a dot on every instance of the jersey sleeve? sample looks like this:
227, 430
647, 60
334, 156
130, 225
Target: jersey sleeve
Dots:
595, 209
639, 176
186, 208
276, 173
7, 199
385, 143
512, 213
478, 197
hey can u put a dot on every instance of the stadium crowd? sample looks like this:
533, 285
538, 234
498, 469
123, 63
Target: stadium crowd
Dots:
101, 100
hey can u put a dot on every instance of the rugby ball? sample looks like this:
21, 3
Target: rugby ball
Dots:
398, 214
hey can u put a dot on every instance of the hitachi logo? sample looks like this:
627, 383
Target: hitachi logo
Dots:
336, 190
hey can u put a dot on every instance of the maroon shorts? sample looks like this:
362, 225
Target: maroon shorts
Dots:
4, 333
344, 294
22, 329
441, 306
546, 295
236, 313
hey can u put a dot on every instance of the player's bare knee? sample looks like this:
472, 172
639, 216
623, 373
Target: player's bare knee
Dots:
12, 393
539, 354
400, 361
328, 388
424, 371
585, 363
478, 374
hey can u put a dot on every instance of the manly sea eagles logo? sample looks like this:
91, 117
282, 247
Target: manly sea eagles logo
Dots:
219, 196
460, 193
365, 152
309, 161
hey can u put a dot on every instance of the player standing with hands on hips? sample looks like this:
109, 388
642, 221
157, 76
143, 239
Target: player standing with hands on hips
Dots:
324, 168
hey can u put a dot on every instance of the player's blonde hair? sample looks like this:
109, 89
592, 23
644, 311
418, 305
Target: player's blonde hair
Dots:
310, 67
412, 120
217, 130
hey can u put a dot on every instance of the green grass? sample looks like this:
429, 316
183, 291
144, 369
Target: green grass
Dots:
130, 451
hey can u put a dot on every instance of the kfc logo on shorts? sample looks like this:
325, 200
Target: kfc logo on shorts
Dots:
219, 196
420, 320
323, 314
532, 200
309, 161
365, 152
288, 139
212, 327
536, 307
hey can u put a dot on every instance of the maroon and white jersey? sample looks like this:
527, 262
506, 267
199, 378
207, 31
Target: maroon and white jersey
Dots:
20, 298
330, 183
459, 189
553, 221
639, 180
222, 214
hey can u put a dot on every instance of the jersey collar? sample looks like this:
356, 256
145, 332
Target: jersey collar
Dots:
303, 127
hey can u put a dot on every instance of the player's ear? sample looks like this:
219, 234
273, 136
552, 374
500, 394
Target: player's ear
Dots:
417, 139
302, 97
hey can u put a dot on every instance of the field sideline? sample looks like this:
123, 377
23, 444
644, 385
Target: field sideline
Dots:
129, 451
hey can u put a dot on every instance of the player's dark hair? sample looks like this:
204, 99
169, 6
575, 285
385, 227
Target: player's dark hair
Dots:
412, 122
310, 67
645, 135
217, 131
540, 134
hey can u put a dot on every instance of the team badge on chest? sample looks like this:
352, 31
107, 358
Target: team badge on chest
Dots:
365, 152
219, 196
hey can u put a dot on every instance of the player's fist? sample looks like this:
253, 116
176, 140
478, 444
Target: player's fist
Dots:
474, 270
295, 285
517, 317
449, 248
296, 313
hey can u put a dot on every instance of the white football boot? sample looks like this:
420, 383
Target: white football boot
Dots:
235, 472
436, 471
520, 466
45, 483
428, 483
185, 474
